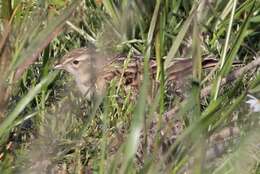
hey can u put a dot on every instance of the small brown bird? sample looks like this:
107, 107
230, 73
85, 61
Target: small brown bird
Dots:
93, 70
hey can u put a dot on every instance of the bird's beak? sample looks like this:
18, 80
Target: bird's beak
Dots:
58, 66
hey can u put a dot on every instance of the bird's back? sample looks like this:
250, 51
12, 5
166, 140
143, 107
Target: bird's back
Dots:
129, 72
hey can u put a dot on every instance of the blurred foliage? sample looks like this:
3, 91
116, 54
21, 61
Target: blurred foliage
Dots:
47, 127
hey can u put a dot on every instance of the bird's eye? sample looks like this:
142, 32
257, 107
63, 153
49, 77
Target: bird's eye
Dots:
75, 62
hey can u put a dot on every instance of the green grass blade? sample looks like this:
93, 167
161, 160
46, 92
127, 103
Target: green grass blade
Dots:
138, 118
41, 40
178, 40
8, 122
216, 86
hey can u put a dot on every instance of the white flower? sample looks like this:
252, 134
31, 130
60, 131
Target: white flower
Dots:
254, 103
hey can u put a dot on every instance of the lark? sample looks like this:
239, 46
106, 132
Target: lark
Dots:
93, 71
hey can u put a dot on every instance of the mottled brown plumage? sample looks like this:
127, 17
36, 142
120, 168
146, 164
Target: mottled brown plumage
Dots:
93, 70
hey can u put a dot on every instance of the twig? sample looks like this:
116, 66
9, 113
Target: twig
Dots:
4, 37
232, 76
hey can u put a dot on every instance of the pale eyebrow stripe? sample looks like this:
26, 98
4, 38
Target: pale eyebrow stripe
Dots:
68, 60
82, 57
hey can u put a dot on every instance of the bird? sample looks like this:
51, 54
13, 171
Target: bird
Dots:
94, 70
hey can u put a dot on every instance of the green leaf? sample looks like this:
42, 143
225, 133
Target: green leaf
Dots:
6, 125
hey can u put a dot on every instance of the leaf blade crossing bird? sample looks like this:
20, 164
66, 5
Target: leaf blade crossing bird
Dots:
94, 70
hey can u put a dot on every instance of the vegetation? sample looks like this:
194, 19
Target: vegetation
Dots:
46, 127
